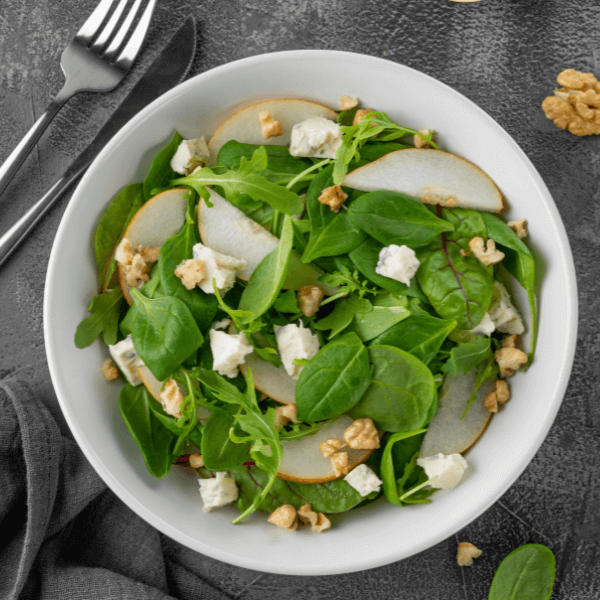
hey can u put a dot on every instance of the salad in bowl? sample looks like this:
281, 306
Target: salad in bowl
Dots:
312, 310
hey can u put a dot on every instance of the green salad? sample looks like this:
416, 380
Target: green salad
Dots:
313, 311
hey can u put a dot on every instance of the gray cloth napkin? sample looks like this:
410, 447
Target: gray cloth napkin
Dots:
63, 534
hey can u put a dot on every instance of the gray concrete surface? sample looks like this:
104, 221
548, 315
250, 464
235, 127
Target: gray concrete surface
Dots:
504, 55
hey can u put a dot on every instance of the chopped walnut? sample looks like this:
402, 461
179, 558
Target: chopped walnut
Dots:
510, 360
348, 102
124, 253
171, 398
333, 197
284, 516
339, 462
510, 341
419, 142
284, 414
464, 252
109, 370
491, 402
150, 255
502, 391
318, 522
465, 554
487, 255
136, 274
329, 446
362, 435
196, 461
270, 127
191, 272
361, 113
519, 227
309, 298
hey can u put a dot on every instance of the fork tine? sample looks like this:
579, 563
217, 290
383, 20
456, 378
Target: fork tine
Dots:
111, 51
126, 58
109, 27
92, 25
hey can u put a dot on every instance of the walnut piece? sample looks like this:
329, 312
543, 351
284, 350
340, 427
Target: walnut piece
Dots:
284, 414
339, 462
361, 113
318, 522
284, 516
109, 370
510, 360
191, 271
136, 274
465, 554
519, 227
333, 197
491, 402
309, 298
362, 435
171, 398
487, 255
270, 127
329, 446
502, 391
196, 461
510, 341
348, 102
419, 142
150, 255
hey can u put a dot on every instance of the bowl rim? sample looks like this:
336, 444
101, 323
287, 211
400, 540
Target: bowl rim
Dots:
362, 562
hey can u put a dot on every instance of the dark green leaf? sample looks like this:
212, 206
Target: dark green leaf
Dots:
372, 151
466, 356
105, 309
195, 437
219, 453
388, 309
343, 314
160, 172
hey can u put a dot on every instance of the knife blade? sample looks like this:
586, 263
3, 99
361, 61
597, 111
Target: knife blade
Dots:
168, 69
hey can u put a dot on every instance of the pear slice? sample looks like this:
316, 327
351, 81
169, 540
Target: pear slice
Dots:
226, 229
245, 127
270, 380
432, 176
156, 221
447, 433
303, 462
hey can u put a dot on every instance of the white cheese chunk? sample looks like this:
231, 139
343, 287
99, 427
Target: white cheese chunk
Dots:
222, 324
485, 326
218, 266
397, 262
127, 359
295, 342
217, 492
447, 470
316, 137
505, 316
228, 352
190, 154
363, 480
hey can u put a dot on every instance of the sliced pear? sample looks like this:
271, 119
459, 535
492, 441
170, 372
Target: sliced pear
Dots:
303, 462
433, 176
245, 127
270, 380
160, 218
447, 432
226, 229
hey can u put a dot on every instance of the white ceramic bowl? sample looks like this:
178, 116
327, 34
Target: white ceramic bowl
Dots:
379, 533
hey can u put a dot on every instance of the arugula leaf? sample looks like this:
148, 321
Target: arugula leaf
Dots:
343, 314
160, 172
348, 282
388, 309
105, 309
297, 431
487, 369
286, 302
219, 453
164, 332
467, 355
194, 436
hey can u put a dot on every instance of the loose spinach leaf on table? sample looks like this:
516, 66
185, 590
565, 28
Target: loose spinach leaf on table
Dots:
526, 573
160, 172
468, 355
394, 218
163, 331
343, 314
110, 230
331, 233
419, 334
401, 394
155, 441
334, 380
388, 309
219, 452
105, 309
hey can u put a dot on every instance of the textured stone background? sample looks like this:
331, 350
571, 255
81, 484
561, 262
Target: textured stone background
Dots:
504, 55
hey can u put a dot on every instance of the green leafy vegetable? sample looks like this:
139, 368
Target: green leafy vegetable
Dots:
194, 436
105, 309
219, 452
466, 356
388, 309
160, 172
297, 431
348, 282
343, 314
286, 302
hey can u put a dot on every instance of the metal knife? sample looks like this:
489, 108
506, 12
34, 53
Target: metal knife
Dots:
170, 68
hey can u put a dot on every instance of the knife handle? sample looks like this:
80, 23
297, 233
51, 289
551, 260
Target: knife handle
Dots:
11, 240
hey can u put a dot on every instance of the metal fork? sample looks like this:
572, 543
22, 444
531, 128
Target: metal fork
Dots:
90, 63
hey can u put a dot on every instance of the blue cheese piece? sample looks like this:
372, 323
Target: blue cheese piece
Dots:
505, 316
217, 492
295, 342
229, 352
447, 470
190, 154
485, 327
217, 266
364, 480
127, 359
397, 262
316, 137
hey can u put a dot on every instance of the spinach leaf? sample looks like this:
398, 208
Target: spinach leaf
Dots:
343, 314
330, 233
279, 159
401, 394
267, 279
526, 573
419, 334
334, 497
219, 453
164, 332
155, 442
194, 436
372, 151
286, 302
160, 172
467, 355
518, 262
110, 230
403, 452
334, 380
153, 287
105, 309
394, 218
388, 309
